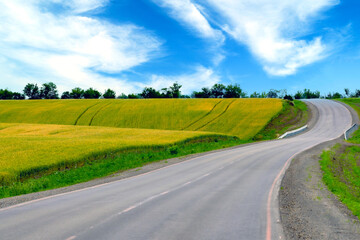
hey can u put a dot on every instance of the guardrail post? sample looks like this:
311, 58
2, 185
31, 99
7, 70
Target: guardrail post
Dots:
350, 131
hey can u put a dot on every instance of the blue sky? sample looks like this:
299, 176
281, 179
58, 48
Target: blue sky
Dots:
129, 44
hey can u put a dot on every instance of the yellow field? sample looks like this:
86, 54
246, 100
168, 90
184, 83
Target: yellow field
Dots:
239, 117
28, 146
41, 133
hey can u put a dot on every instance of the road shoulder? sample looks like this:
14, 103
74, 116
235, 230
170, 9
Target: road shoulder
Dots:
307, 209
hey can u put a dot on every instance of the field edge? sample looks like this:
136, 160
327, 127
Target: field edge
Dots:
105, 165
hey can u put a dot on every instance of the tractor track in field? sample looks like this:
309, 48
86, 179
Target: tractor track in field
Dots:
218, 116
204, 116
78, 118
97, 112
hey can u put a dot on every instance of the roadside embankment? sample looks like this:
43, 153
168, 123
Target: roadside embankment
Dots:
308, 207
308, 210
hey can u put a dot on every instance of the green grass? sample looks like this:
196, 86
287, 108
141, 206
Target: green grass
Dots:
355, 104
292, 116
341, 174
238, 117
341, 167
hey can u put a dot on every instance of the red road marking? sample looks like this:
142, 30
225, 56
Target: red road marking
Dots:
268, 208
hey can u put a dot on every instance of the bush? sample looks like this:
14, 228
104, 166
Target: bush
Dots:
174, 150
289, 97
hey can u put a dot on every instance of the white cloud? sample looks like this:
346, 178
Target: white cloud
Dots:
271, 30
194, 81
80, 6
190, 15
66, 48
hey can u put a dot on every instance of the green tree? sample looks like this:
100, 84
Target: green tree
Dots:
175, 90
66, 95
357, 93
218, 90
123, 96
336, 95
92, 94
32, 91
288, 97
49, 91
6, 94
109, 94
333, 95
347, 92
233, 91
77, 93
150, 92
134, 96
263, 95
166, 93
204, 93
298, 95
255, 95
273, 93
18, 96
307, 94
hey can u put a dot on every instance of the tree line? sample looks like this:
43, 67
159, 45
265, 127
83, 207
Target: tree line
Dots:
49, 91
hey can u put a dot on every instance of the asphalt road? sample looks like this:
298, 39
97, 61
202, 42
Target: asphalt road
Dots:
229, 194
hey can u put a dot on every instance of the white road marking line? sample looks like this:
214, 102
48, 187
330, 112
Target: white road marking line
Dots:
71, 238
161, 194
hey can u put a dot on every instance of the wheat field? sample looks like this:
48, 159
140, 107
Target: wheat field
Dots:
24, 147
239, 117
39, 134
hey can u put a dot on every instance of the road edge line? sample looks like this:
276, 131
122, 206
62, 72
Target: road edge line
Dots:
281, 175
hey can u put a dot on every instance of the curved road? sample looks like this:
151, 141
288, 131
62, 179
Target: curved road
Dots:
229, 194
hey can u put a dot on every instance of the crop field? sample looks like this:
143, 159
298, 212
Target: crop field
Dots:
42, 137
32, 147
238, 117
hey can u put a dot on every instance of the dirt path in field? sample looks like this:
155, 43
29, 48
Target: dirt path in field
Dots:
97, 112
307, 209
218, 116
78, 118
207, 114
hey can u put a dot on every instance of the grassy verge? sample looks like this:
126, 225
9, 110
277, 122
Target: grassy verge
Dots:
100, 166
293, 115
341, 167
341, 173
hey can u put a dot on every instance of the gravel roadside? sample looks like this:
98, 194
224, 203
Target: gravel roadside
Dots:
307, 209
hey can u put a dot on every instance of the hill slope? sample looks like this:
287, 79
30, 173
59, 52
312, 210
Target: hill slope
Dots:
238, 117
